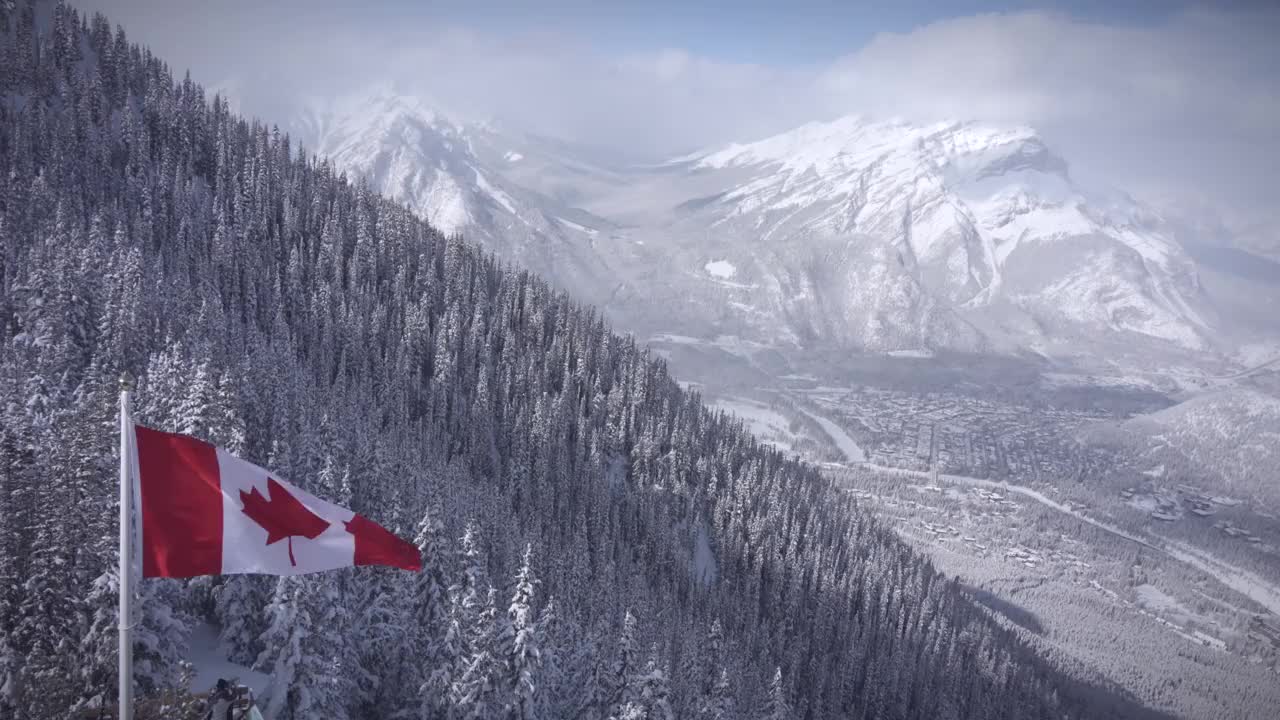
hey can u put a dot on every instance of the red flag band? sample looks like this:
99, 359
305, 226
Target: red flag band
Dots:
206, 512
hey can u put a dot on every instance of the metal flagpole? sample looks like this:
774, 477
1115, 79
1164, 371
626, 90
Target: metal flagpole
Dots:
125, 619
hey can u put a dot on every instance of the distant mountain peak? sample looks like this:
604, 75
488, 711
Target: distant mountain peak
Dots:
854, 231
854, 142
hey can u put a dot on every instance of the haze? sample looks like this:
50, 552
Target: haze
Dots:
1178, 105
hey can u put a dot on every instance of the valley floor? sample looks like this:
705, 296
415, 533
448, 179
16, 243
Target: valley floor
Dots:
1080, 574
1101, 609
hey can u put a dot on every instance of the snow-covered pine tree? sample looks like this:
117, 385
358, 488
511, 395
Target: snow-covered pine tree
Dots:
240, 603
519, 646
594, 687
159, 634
304, 652
474, 691
436, 627
618, 684
647, 694
441, 668
382, 652
100, 643
9, 662
554, 697
718, 704
775, 705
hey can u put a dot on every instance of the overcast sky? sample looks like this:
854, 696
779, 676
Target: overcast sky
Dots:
1160, 98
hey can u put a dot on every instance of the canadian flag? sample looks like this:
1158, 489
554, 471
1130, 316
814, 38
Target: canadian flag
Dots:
203, 511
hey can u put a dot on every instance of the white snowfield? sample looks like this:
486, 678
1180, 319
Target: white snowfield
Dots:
851, 233
209, 662
763, 421
722, 269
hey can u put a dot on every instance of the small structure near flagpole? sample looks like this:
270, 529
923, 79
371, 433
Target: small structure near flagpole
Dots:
125, 618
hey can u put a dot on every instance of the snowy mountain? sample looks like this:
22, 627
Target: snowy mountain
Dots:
452, 174
851, 234
1226, 441
421, 156
983, 219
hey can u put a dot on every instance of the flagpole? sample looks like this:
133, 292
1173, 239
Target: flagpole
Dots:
125, 619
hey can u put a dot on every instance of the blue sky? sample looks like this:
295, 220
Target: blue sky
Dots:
1167, 99
799, 32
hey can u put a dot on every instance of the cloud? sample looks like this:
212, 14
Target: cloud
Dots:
1185, 105
1174, 107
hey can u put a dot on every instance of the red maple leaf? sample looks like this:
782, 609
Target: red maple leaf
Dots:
282, 516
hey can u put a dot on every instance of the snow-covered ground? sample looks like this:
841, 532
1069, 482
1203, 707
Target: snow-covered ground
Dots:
1257, 353
1033, 495
722, 269
761, 420
846, 444
705, 568
1242, 581
1155, 599
1074, 380
210, 664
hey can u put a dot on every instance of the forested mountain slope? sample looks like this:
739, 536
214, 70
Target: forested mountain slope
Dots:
1226, 441
597, 543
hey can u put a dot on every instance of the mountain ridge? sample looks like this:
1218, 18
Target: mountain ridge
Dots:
855, 233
